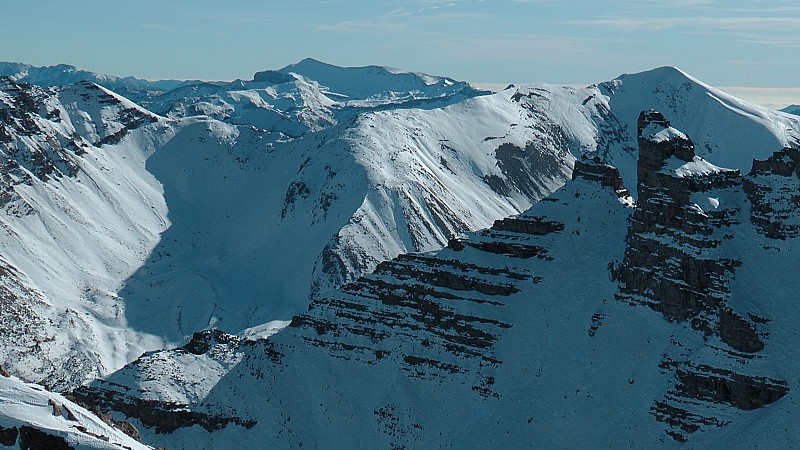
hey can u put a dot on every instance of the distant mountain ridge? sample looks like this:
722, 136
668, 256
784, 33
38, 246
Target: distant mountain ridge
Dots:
792, 109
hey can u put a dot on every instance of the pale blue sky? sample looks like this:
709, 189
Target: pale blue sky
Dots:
725, 43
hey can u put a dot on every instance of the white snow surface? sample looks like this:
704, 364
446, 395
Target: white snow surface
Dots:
87, 234
657, 133
264, 331
27, 404
373, 82
697, 167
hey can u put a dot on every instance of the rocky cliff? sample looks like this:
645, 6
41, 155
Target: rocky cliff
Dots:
677, 261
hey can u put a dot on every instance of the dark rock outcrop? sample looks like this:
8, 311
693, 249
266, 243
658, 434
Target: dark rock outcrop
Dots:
34, 439
772, 189
674, 264
711, 384
594, 169
164, 417
670, 263
202, 341
272, 77
8, 436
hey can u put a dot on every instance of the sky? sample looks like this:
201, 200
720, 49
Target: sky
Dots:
742, 43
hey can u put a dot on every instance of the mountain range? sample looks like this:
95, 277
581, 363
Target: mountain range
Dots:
366, 257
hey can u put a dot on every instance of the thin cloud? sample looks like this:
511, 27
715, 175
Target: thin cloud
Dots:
783, 43
402, 19
358, 26
664, 23
771, 39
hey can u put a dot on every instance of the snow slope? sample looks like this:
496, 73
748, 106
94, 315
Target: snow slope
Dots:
373, 85
80, 215
62, 74
257, 229
43, 419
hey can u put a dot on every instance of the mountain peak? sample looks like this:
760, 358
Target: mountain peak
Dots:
792, 109
314, 62
663, 74
363, 82
310, 64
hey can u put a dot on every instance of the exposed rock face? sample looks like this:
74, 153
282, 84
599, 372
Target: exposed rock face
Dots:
273, 77
28, 149
163, 417
443, 304
45, 152
674, 263
203, 341
594, 169
32, 439
669, 261
772, 188
8, 436
29, 438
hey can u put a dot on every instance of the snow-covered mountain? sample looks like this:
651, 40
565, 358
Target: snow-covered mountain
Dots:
671, 313
213, 209
126, 231
468, 323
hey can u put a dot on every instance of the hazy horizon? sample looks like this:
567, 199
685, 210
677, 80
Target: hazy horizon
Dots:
733, 43
774, 98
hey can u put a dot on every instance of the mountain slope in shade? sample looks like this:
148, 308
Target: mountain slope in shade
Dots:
792, 109
521, 333
257, 231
